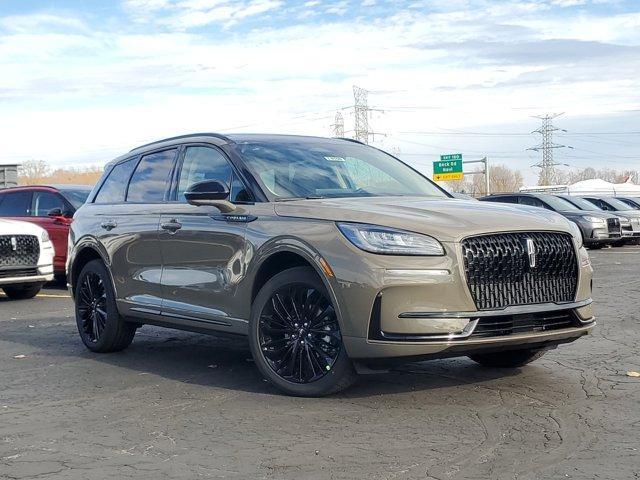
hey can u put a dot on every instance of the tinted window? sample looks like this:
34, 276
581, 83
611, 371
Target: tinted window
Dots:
43, 202
505, 199
151, 179
583, 204
560, 204
115, 185
532, 202
202, 163
16, 204
76, 197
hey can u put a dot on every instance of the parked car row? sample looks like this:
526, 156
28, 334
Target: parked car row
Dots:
602, 220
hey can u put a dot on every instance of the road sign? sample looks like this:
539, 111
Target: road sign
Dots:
449, 167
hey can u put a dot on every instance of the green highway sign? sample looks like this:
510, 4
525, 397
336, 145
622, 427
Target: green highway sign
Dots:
449, 167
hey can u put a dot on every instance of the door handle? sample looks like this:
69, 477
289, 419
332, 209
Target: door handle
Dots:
109, 225
172, 226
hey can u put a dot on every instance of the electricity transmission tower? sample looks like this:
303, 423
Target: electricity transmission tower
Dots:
338, 126
547, 165
361, 113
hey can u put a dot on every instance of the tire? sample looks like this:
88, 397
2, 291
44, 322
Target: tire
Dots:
299, 348
96, 311
22, 291
507, 359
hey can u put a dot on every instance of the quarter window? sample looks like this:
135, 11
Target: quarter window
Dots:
16, 204
43, 202
151, 179
115, 185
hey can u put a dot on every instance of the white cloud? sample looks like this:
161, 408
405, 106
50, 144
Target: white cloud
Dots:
95, 93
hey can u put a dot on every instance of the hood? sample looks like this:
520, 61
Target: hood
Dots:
585, 213
448, 219
16, 227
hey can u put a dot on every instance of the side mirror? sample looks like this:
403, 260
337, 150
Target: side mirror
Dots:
55, 212
210, 192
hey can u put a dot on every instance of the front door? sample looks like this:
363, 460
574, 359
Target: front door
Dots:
204, 252
57, 228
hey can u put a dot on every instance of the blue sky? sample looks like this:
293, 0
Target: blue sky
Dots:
95, 78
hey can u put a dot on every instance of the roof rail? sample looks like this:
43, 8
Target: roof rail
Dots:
179, 137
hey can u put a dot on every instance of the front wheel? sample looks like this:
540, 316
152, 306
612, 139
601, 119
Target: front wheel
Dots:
507, 359
295, 336
22, 291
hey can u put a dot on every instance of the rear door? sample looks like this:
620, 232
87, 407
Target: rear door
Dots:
203, 251
129, 205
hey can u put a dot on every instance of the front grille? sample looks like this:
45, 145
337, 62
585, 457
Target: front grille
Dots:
18, 272
524, 323
613, 224
19, 250
500, 272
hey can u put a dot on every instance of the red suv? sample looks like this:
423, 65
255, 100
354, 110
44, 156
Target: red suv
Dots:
51, 207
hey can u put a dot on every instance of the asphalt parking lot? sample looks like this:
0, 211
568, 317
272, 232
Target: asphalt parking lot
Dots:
181, 405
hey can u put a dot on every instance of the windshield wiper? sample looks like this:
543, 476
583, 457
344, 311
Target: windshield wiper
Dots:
292, 199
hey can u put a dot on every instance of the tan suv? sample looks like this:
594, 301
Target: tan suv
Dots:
333, 257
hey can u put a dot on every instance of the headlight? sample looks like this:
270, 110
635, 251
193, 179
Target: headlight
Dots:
625, 222
577, 234
389, 241
44, 237
594, 219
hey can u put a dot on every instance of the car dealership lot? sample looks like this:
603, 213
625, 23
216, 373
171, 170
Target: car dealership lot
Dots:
181, 405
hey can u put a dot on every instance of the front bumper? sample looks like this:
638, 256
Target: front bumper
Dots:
42, 273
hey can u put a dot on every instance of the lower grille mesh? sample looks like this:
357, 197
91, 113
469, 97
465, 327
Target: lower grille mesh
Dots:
524, 323
500, 272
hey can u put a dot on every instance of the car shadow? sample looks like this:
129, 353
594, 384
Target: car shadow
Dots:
225, 362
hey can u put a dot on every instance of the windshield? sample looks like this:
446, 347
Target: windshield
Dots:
559, 204
617, 204
76, 197
584, 204
331, 169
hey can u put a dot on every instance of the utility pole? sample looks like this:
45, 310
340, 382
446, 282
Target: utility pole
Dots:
338, 126
547, 165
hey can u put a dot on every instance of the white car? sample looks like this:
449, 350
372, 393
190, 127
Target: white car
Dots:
26, 258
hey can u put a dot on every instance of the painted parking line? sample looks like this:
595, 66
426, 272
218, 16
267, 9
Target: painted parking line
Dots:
48, 295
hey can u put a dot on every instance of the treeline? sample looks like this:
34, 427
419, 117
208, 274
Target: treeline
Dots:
35, 172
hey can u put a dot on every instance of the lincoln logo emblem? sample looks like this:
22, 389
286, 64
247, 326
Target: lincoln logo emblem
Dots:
531, 253
14, 244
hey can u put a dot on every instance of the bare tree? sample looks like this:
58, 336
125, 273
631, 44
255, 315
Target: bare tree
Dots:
501, 179
32, 172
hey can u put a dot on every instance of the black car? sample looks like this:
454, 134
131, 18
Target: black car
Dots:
598, 227
630, 229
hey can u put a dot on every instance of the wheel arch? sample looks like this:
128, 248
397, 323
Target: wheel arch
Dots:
83, 255
284, 253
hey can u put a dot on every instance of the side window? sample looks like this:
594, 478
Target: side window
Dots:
43, 202
15, 204
532, 202
239, 192
506, 199
113, 188
605, 206
202, 163
151, 179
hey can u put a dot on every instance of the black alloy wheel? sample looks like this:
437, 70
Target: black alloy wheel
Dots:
101, 327
295, 335
299, 334
92, 306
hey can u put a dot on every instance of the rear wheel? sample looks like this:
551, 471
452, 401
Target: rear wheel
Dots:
295, 336
100, 326
22, 291
507, 359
